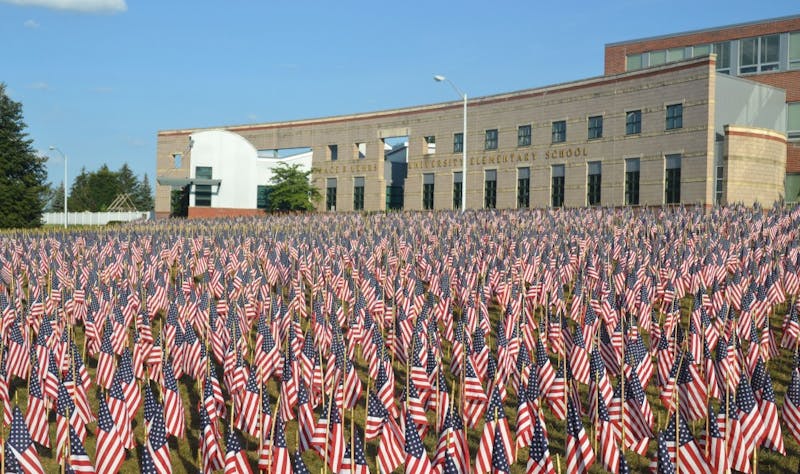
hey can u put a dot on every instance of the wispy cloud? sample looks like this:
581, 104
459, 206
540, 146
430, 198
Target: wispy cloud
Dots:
86, 6
40, 85
32, 24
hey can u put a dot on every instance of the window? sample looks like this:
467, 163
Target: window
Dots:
458, 179
360, 149
718, 185
430, 145
633, 122
794, 50
202, 192
262, 197
793, 120
557, 185
177, 159
675, 54
759, 54
594, 170
632, 181
595, 127
358, 193
427, 190
723, 52
523, 187
490, 189
674, 116
701, 50
330, 195
333, 152
560, 131
672, 182
458, 142
792, 187
524, 135
633, 62
657, 58
491, 140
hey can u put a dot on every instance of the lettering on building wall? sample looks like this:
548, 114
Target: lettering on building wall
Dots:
499, 158
360, 168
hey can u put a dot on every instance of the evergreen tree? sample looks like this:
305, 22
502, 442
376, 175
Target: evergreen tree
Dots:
22, 172
144, 195
56, 201
292, 189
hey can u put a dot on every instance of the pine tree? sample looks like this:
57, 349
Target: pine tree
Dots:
22, 172
56, 200
144, 195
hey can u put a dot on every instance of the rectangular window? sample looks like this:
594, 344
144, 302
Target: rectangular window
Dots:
330, 195
793, 120
491, 140
794, 50
358, 193
557, 185
674, 116
360, 150
718, 185
658, 58
427, 190
524, 135
262, 197
723, 52
523, 187
633, 62
559, 131
490, 189
675, 54
430, 145
177, 159
632, 181
458, 142
701, 50
458, 179
202, 192
633, 122
672, 181
593, 182
759, 54
333, 152
595, 127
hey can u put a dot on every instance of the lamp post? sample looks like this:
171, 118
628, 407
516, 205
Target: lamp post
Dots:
463, 95
54, 148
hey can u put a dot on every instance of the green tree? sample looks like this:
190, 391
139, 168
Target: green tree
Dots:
143, 197
55, 201
292, 189
22, 172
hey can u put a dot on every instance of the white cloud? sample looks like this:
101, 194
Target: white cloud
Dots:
41, 85
32, 24
89, 6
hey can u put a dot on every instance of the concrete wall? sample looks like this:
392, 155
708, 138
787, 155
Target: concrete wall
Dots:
755, 163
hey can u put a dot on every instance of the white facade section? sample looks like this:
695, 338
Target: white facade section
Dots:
235, 162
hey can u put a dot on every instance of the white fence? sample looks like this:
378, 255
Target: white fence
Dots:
92, 218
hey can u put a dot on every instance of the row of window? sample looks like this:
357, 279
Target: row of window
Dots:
774, 52
672, 186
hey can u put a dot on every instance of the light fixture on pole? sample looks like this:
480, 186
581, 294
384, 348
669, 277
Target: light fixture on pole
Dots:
54, 148
463, 95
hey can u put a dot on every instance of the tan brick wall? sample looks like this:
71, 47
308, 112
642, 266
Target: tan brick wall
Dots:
169, 144
754, 165
651, 90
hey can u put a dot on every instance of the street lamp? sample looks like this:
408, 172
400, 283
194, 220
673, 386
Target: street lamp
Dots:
65, 181
463, 95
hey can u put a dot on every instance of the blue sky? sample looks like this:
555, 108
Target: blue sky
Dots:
99, 78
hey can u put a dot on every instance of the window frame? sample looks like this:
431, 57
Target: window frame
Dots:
594, 183
262, 196
636, 124
559, 131
428, 189
523, 187
490, 189
594, 127
632, 181
458, 183
330, 194
759, 49
430, 144
458, 142
793, 130
202, 192
557, 184
793, 63
524, 135
672, 179
491, 139
673, 116
333, 152
358, 193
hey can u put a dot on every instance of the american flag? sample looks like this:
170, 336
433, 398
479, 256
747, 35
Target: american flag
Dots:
496, 425
156, 442
235, 458
791, 405
579, 454
36, 416
690, 459
539, 461
173, 404
21, 455
211, 455
753, 427
416, 459
110, 448
354, 460
298, 465
78, 458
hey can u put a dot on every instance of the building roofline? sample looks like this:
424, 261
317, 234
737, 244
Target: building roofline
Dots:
475, 101
703, 30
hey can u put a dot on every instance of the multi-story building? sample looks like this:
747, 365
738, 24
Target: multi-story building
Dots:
766, 51
678, 132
